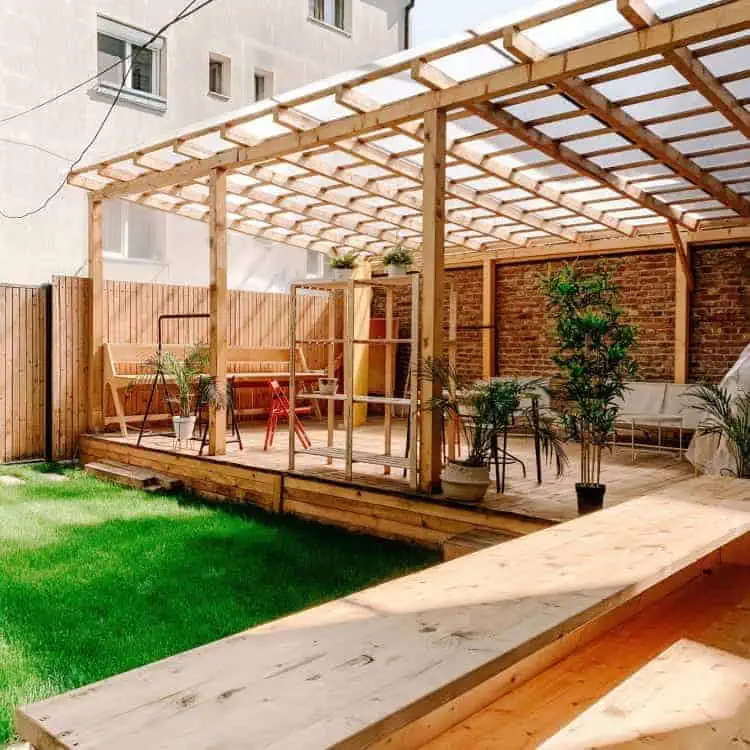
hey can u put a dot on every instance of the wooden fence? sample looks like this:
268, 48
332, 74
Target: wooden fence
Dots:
23, 316
130, 316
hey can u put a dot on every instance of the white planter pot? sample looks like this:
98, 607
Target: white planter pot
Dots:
342, 274
396, 270
328, 386
183, 428
465, 484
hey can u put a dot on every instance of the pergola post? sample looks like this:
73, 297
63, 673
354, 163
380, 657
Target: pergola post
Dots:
433, 199
488, 318
218, 308
96, 320
683, 288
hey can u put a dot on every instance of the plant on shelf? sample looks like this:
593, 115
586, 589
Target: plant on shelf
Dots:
186, 374
482, 411
344, 264
593, 351
398, 260
728, 419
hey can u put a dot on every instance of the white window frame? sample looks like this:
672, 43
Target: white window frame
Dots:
268, 81
320, 260
133, 37
123, 252
323, 12
226, 75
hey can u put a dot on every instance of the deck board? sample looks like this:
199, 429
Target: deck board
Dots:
352, 672
553, 501
677, 675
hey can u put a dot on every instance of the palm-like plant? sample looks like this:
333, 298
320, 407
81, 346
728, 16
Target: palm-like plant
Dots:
186, 374
726, 417
484, 409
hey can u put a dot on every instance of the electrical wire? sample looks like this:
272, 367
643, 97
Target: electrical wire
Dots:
187, 11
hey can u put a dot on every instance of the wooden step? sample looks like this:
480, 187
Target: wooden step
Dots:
472, 541
132, 476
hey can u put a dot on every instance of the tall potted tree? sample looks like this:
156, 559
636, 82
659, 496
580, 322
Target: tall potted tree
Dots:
593, 349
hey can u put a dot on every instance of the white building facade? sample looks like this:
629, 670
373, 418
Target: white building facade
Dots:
222, 57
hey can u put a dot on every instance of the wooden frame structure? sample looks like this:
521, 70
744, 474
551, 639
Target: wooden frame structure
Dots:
592, 128
349, 341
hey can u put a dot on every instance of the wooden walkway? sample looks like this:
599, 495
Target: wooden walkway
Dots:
399, 664
675, 676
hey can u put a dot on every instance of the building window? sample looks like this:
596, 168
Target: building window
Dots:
218, 75
127, 59
331, 12
316, 265
263, 84
133, 232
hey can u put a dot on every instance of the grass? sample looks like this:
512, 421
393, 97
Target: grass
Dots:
96, 579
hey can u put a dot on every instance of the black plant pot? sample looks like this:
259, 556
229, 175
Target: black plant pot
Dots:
590, 497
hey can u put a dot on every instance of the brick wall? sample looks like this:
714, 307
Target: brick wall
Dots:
468, 285
524, 344
720, 317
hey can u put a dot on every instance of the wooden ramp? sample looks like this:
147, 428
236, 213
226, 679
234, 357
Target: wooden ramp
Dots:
399, 664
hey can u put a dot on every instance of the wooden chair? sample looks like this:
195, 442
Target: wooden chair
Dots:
280, 410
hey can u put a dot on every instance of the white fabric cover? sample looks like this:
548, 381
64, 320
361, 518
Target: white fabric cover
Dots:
642, 400
708, 453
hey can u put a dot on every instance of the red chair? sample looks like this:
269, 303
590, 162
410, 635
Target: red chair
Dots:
280, 410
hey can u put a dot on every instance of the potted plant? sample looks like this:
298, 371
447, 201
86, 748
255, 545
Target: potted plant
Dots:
187, 375
397, 260
727, 419
593, 352
482, 410
343, 265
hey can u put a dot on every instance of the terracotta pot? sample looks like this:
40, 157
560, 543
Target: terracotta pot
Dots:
465, 484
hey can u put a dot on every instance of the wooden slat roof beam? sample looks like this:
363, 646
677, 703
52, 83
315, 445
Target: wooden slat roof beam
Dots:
621, 122
356, 101
640, 16
428, 75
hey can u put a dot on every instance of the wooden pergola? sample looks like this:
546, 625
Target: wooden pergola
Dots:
594, 128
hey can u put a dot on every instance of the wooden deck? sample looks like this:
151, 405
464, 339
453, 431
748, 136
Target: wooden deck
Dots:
675, 676
552, 502
399, 664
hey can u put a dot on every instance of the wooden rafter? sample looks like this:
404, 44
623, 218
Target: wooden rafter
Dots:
619, 120
700, 78
349, 98
507, 123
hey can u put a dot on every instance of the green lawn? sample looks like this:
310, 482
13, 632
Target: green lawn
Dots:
96, 579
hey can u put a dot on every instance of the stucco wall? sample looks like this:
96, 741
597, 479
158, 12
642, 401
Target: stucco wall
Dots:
45, 47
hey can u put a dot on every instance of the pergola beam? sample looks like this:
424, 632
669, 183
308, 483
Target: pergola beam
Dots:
96, 319
700, 78
428, 75
689, 29
621, 122
492, 168
682, 290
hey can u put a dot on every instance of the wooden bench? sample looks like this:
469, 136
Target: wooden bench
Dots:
124, 367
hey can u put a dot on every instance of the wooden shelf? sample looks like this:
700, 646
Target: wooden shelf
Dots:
360, 457
392, 400
322, 342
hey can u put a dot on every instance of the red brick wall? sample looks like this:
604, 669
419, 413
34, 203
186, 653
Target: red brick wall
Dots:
468, 285
524, 345
720, 317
